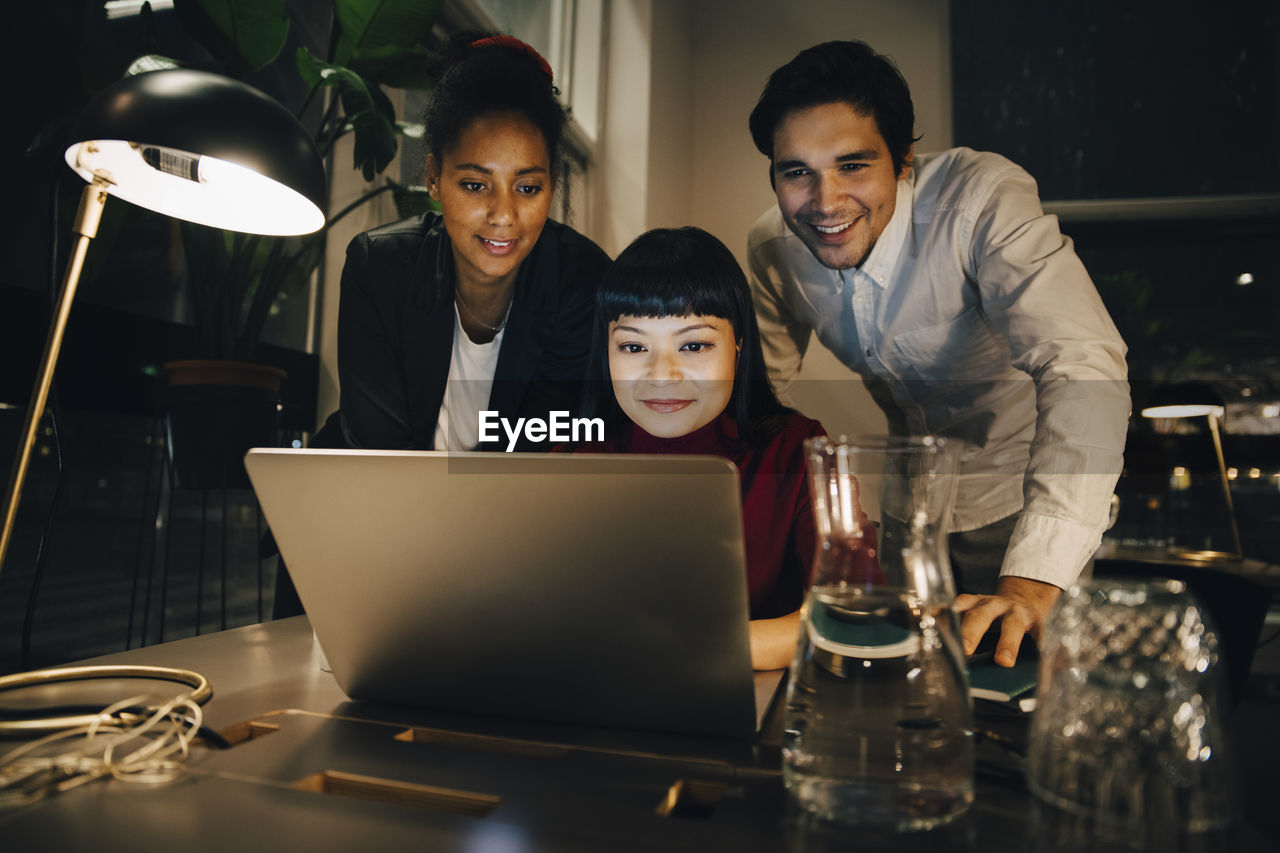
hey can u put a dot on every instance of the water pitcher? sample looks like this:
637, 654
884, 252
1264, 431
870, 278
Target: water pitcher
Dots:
878, 724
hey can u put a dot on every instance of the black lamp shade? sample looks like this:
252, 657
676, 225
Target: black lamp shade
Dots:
1183, 400
205, 148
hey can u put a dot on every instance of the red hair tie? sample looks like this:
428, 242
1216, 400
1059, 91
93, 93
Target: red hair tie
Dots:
512, 41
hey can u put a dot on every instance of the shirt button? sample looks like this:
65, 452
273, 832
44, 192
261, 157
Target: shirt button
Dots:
868, 351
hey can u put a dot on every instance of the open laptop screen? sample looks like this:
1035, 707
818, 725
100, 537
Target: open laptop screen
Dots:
607, 590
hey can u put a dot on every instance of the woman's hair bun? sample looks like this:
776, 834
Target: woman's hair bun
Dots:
513, 42
481, 74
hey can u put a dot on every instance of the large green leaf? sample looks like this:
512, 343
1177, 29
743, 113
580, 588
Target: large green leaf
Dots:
257, 28
310, 69
411, 201
366, 25
282, 266
392, 65
366, 107
197, 24
297, 274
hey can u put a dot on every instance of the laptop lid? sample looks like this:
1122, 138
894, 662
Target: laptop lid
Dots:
599, 589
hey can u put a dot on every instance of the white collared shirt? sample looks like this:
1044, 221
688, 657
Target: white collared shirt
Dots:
972, 318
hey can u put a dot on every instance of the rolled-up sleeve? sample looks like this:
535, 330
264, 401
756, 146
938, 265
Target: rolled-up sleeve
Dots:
1037, 293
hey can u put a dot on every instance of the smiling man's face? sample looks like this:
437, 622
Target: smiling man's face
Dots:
835, 181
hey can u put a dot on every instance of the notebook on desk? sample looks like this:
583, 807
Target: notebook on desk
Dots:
607, 590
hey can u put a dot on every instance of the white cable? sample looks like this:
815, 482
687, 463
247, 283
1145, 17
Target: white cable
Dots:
27, 775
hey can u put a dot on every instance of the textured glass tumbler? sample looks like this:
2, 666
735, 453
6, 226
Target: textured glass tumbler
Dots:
878, 729
1127, 748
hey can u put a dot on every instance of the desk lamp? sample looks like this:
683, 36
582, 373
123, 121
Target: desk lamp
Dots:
1193, 400
188, 144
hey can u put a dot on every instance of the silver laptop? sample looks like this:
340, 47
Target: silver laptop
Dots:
606, 590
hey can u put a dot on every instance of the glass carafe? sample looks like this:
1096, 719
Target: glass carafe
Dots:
878, 727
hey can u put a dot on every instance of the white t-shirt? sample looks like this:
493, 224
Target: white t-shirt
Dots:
466, 393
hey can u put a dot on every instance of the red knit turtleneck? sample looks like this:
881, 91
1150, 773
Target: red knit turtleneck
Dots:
776, 512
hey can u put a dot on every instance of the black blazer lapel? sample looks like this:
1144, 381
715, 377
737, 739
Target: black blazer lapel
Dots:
428, 344
426, 332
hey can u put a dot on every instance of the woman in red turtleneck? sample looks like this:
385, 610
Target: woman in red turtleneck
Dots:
676, 368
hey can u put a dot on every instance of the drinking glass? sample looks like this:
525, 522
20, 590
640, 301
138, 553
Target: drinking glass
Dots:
1127, 747
878, 727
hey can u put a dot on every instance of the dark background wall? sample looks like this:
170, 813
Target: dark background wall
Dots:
1122, 100
1156, 101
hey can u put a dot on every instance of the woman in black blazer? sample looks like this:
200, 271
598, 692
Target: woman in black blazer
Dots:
486, 305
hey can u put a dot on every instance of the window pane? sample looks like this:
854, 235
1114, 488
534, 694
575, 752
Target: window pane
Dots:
527, 20
588, 38
1122, 100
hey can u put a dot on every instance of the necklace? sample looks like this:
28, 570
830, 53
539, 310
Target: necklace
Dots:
457, 295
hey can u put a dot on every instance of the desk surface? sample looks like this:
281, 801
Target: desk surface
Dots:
1259, 571
451, 782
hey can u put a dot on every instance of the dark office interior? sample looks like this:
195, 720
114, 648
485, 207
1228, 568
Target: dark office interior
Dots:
1152, 131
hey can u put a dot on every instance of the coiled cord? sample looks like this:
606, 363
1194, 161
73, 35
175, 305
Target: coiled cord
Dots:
128, 740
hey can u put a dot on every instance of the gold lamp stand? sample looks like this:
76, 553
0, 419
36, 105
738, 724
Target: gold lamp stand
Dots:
1193, 400
188, 144
1210, 555
88, 215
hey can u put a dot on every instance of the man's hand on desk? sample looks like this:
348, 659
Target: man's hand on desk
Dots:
1020, 605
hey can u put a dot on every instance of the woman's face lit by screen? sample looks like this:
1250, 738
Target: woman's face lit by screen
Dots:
672, 375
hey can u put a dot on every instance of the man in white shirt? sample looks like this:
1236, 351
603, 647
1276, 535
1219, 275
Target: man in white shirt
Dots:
940, 280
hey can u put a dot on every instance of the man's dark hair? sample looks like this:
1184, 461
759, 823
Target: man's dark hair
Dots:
833, 72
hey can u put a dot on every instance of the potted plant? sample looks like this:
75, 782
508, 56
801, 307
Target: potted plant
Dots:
220, 405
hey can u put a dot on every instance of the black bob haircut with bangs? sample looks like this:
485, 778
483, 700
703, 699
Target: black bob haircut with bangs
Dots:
678, 272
